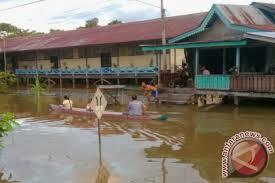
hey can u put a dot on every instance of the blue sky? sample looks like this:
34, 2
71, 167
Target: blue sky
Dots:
69, 14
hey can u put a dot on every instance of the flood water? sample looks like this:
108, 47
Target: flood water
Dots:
51, 148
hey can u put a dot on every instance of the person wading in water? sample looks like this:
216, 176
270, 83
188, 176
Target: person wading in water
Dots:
136, 107
67, 103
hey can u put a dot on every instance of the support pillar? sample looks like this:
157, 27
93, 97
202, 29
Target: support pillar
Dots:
238, 58
236, 100
159, 68
18, 83
87, 83
118, 82
136, 80
224, 61
60, 83
197, 58
73, 83
175, 60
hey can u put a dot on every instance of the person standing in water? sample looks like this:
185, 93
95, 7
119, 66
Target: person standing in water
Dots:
136, 107
67, 103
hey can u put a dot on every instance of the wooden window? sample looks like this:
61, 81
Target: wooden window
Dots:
67, 53
123, 51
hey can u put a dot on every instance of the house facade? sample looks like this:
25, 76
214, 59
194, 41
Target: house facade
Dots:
100, 52
236, 44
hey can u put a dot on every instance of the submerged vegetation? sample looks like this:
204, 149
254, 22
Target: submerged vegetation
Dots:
7, 123
7, 82
37, 88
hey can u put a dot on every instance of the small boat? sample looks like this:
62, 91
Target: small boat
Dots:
106, 114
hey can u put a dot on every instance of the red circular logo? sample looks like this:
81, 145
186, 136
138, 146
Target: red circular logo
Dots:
248, 158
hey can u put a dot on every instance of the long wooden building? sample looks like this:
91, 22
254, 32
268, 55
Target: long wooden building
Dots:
110, 52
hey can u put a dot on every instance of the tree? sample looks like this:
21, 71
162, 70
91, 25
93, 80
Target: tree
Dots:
14, 31
91, 23
115, 22
55, 30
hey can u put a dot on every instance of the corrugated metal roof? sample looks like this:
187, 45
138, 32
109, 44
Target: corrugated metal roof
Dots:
270, 27
261, 36
243, 15
119, 33
268, 5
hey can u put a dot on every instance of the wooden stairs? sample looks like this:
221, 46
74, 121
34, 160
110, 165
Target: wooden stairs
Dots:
179, 96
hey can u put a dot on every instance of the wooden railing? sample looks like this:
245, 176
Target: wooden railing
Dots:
212, 82
90, 71
240, 83
253, 83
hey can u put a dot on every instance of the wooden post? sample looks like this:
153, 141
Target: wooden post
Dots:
17, 83
48, 81
87, 83
73, 83
224, 61
197, 58
159, 68
175, 60
60, 83
238, 58
118, 56
86, 57
236, 100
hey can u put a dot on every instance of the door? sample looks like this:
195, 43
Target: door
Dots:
106, 60
54, 62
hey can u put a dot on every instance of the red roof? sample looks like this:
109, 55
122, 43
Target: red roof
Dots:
119, 33
243, 14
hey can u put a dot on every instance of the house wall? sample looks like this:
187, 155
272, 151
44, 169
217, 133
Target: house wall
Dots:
139, 60
217, 32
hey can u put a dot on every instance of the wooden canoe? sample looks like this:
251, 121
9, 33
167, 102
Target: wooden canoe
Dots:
106, 114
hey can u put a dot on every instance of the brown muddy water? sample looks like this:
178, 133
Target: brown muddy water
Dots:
48, 148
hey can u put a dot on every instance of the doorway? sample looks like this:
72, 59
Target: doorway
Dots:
106, 60
54, 62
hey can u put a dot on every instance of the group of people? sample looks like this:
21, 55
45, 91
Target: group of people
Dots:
135, 107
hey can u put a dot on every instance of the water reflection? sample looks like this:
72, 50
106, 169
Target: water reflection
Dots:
185, 149
6, 180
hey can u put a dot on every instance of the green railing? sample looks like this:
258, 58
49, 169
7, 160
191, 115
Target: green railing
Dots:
212, 82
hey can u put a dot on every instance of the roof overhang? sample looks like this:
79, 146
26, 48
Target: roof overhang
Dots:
261, 36
195, 45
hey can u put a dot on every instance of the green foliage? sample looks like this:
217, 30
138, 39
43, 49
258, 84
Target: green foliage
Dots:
7, 81
91, 23
56, 30
14, 31
7, 124
37, 88
115, 22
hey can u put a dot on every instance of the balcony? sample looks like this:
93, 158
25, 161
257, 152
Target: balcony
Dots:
90, 72
257, 83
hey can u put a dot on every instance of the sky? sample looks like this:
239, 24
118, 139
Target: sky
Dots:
70, 14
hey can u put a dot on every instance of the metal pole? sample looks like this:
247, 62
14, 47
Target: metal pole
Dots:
99, 141
159, 68
162, 11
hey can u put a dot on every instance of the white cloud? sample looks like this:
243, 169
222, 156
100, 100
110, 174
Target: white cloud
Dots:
69, 14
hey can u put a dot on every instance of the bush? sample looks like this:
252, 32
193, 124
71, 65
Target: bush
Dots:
7, 123
7, 81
